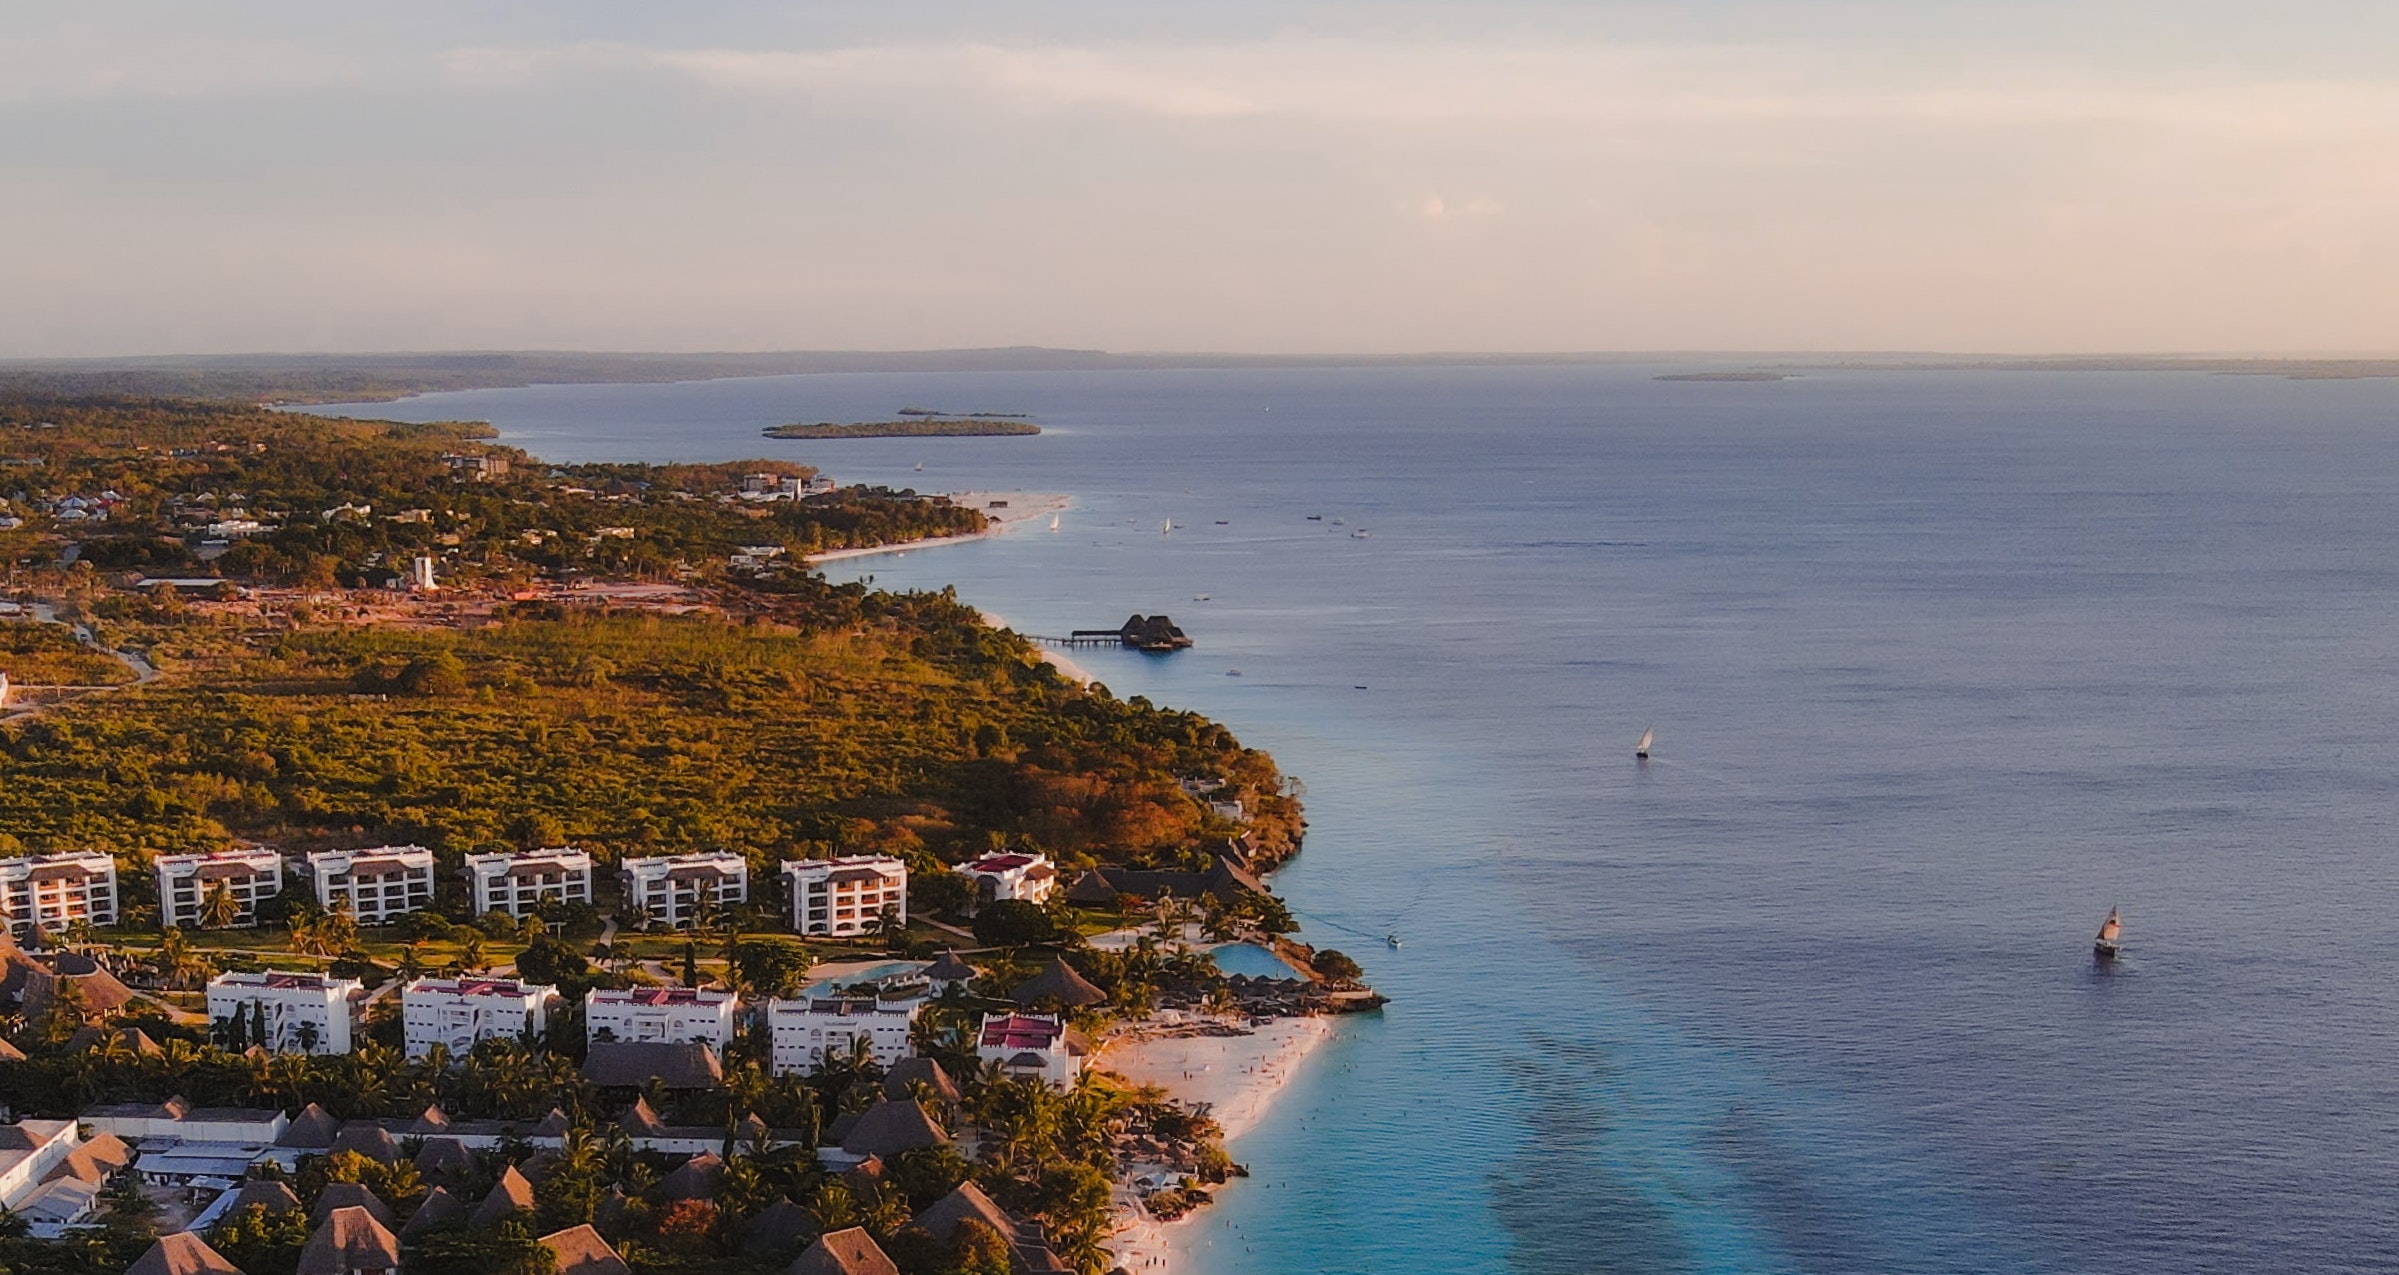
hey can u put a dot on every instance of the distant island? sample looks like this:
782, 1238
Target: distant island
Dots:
916, 427
1727, 376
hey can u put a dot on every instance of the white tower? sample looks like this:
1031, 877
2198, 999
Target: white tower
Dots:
420, 576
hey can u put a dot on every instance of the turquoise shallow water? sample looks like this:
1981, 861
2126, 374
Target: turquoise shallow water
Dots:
1942, 664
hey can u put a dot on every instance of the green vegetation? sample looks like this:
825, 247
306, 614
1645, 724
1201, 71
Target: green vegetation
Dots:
48, 655
921, 427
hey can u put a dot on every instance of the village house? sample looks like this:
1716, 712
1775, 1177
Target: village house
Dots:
1030, 1046
185, 881
1025, 877
702, 1014
843, 898
29, 1150
378, 886
51, 892
519, 884
454, 1013
813, 1029
283, 1012
673, 890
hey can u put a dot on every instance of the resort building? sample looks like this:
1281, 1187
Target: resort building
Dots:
674, 889
1028, 877
519, 884
841, 898
378, 886
53, 891
285, 1013
29, 1150
178, 1121
1030, 1046
809, 1031
185, 882
702, 1014
457, 1012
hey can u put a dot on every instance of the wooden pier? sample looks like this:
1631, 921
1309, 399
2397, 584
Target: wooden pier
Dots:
1142, 633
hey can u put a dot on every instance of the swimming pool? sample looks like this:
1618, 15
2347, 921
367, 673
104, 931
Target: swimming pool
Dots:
1253, 960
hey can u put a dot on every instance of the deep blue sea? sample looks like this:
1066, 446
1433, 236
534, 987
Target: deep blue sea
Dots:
1942, 665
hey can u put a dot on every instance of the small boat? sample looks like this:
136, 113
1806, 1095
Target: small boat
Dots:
1167, 528
1359, 534
1641, 750
1316, 517
920, 467
2110, 940
1223, 523
1393, 940
1053, 522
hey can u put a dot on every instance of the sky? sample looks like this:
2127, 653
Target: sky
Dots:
1788, 175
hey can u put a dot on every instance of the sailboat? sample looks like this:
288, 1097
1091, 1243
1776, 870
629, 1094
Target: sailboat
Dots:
2109, 942
920, 467
1053, 522
1167, 528
1641, 750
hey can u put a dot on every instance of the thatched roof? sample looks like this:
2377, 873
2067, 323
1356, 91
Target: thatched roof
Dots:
628, 1064
850, 1252
780, 1225
182, 1253
695, 1179
348, 1195
511, 1194
431, 1120
274, 1197
581, 1251
94, 1159
641, 1119
1060, 985
906, 1074
129, 1038
968, 1201
349, 1239
553, 1125
102, 993
439, 1209
888, 1128
446, 1159
313, 1127
865, 1178
10, 1053
949, 969
368, 1139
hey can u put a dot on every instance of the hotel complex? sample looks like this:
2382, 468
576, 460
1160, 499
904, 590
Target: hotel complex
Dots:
672, 1014
807, 1032
185, 881
842, 898
378, 885
1028, 877
285, 1013
519, 884
52, 892
457, 1012
674, 889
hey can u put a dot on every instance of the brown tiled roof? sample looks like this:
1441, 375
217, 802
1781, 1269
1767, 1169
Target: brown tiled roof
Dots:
850, 1252
349, 1239
581, 1251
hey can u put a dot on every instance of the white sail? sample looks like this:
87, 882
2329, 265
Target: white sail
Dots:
1647, 734
1053, 522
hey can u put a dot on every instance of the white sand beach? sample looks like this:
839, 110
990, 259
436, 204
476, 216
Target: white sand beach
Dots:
1020, 509
1238, 1077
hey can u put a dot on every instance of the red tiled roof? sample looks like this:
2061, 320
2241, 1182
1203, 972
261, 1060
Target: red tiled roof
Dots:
1021, 1031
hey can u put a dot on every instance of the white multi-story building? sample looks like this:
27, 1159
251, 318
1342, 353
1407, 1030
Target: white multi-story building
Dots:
456, 1012
28, 1154
1030, 1046
54, 891
844, 897
1029, 877
810, 1030
671, 889
186, 880
378, 885
300, 1013
671, 1014
518, 884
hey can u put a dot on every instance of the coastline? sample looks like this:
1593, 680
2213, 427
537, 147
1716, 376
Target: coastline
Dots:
1023, 507
1237, 1076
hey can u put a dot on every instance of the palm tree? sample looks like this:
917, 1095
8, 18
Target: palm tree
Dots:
220, 910
470, 951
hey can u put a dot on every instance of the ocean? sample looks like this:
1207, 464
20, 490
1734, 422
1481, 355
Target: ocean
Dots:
1942, 665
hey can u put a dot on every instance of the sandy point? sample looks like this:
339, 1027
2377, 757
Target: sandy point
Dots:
1007, 510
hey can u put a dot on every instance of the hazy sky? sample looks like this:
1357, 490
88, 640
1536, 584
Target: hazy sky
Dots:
1780, 174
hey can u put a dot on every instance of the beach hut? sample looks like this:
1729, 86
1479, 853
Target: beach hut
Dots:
1058, 985
182, 1253
512, 1194
581, 1251
348, 1195
888, 1128
439, 1209
350, 1241
850, 1252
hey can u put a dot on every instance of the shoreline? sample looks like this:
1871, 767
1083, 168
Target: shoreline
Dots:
1023, 507
1237, 1077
